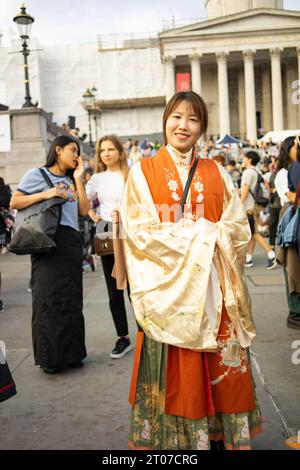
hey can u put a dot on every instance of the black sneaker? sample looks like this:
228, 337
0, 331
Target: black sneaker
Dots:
121, 348
293, 321
1, 306
272, 263
248, 264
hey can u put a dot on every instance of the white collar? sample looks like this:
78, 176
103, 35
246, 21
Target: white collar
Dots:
178, 156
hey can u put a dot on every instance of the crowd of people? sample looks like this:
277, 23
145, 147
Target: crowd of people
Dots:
175, 210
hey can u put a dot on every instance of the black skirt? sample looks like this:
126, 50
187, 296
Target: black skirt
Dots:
7, 385
58, 332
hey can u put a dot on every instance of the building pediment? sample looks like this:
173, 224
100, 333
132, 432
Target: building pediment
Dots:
255, 21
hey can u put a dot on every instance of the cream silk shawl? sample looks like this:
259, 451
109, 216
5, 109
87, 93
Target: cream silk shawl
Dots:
169, 265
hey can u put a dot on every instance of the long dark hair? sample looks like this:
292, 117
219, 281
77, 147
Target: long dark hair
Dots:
283, 158
52, 157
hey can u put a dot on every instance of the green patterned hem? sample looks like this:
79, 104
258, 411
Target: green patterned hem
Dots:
151, 428
158, 431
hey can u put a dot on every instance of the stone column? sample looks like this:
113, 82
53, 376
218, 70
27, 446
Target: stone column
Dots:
276, 89
224, 113
196, 72
250, 95
170, 76
267, 99
242, 106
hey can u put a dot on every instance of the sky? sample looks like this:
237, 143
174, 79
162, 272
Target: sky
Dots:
74, 21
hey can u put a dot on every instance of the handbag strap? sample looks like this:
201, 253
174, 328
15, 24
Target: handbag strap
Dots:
187, 187
46, 178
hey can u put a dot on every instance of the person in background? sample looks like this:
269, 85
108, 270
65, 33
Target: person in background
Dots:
5, 216
286, 186
2, 308
220, 159
248, 185
135, 154
294, 182
107, 185
75, 132
58, 331
234, 173
91, 165
274, 205
6, 224
263, 223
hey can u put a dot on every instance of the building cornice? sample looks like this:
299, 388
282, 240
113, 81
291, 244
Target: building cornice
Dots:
195, 29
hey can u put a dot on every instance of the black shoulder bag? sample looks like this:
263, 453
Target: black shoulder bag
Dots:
186, 189
36, 225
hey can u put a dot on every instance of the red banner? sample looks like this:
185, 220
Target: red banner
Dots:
183, 82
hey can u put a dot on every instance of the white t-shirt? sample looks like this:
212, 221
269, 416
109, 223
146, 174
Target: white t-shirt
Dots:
281, 185
249, 177
108, 187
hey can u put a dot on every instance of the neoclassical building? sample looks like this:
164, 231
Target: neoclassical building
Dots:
244, 60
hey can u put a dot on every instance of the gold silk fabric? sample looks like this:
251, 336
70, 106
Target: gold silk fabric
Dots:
169, 265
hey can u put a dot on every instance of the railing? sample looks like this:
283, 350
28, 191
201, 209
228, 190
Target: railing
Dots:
142, 39
127, 41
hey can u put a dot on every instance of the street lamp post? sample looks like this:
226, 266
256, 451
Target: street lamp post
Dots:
24, 23
89, 99
94, 90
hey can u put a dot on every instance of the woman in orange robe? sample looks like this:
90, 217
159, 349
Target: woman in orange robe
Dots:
191, 381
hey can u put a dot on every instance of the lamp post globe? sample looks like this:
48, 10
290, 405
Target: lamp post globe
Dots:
24, 22
89, 100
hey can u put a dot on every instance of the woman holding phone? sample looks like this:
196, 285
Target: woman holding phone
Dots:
58, 332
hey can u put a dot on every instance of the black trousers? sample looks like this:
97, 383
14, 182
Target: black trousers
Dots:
274, 218
116, 297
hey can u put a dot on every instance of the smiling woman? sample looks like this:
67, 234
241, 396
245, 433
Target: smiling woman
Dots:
191, 386
57, 320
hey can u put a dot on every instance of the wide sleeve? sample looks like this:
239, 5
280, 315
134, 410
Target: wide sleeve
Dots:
168, 266
234, 222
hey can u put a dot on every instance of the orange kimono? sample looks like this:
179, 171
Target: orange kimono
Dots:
202, 389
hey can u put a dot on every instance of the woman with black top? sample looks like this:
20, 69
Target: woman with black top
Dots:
57, 323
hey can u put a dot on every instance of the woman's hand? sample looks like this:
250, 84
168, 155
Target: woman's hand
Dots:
115, 217
79, 169
57, 191
95, 218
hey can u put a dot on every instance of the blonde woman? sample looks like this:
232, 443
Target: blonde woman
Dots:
107, 185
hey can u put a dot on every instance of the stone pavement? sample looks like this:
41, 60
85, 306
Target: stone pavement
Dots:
88, 408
